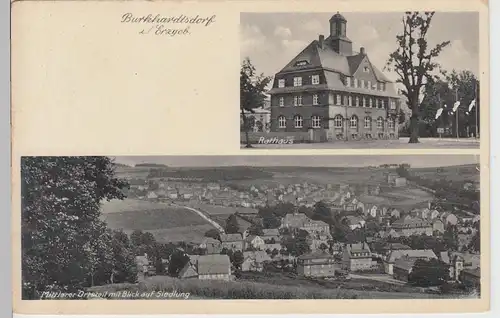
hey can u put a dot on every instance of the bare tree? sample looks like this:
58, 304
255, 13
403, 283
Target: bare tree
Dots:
413, 61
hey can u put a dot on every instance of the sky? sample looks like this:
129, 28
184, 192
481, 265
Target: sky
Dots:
271, 40
303, 160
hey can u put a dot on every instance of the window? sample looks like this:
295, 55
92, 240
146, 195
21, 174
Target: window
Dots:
354, 122
383, 103
380, 122
297, 100
362, 83
366, 69
316, 122
338, 120
391, 123
315, 99
281, 122
281, 83
371, 102
315, 79
301, 63
376, 102
345, 100
364, 101
297, 81
357, 101
348, 82
298, 121
369, 84
393, 104
355, 82
282, 101
368, 122
350, 101
382, 86
339, 99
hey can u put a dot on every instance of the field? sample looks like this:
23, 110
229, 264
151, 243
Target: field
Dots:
403, 198
218, 209
252, 290
167, 223
452, 173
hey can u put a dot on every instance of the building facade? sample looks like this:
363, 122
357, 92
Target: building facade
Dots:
329, 88
316, 264
412, 226
357, 257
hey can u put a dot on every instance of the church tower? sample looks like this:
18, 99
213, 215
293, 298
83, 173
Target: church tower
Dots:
338, 35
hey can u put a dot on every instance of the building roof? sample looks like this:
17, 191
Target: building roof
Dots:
470, 260
409, 222
396, 246
353, 220
315, 255
270, 232
326, 58
474, 272
231, 237
213, 264
188, 271
353, 249
405, 263
258, 256
394, 255
210, 240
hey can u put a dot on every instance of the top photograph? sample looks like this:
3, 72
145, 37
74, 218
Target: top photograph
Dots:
372, 80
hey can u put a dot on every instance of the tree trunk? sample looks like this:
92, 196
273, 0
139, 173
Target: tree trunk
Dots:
245, 128
414, 129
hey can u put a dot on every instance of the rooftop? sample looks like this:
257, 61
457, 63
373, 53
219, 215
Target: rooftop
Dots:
214, 264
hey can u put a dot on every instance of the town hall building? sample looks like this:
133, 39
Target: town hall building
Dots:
332, 90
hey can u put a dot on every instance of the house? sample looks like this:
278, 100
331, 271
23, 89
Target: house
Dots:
415, 254
316, 264
373, 211
400, 182
255, 242
316, 227
412, 226
254, 261
357, 257
293, 220
434, 214
152, 195
211, 245
215, 266
232, 241
395, 213
354, 222
437, 225
403, 267
190, 269
470, 261
340, 87
268, 234
389, 247
449, 218
212, 186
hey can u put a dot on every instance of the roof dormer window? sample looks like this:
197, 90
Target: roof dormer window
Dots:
366, 69
301, 63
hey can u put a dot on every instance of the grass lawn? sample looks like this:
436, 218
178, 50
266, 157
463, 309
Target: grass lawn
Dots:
166, 223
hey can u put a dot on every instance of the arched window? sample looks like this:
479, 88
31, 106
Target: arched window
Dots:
380, 122
316, 121
298, 121
357, 101
350, 101
338, 121
281, 122
354, 122
368, 122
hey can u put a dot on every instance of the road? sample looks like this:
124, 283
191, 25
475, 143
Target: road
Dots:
204, 216
380, 278
401, 143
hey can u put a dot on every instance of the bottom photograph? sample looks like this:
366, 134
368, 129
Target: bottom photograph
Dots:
251, 227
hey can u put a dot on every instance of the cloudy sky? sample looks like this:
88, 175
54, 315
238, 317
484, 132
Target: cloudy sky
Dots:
305, 160
271, 40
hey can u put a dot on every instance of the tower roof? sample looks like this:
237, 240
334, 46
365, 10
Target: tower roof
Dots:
338, 16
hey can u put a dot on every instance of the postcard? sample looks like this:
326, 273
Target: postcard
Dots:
352, 178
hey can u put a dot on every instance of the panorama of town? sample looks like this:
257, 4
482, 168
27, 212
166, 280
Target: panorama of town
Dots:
391, 232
